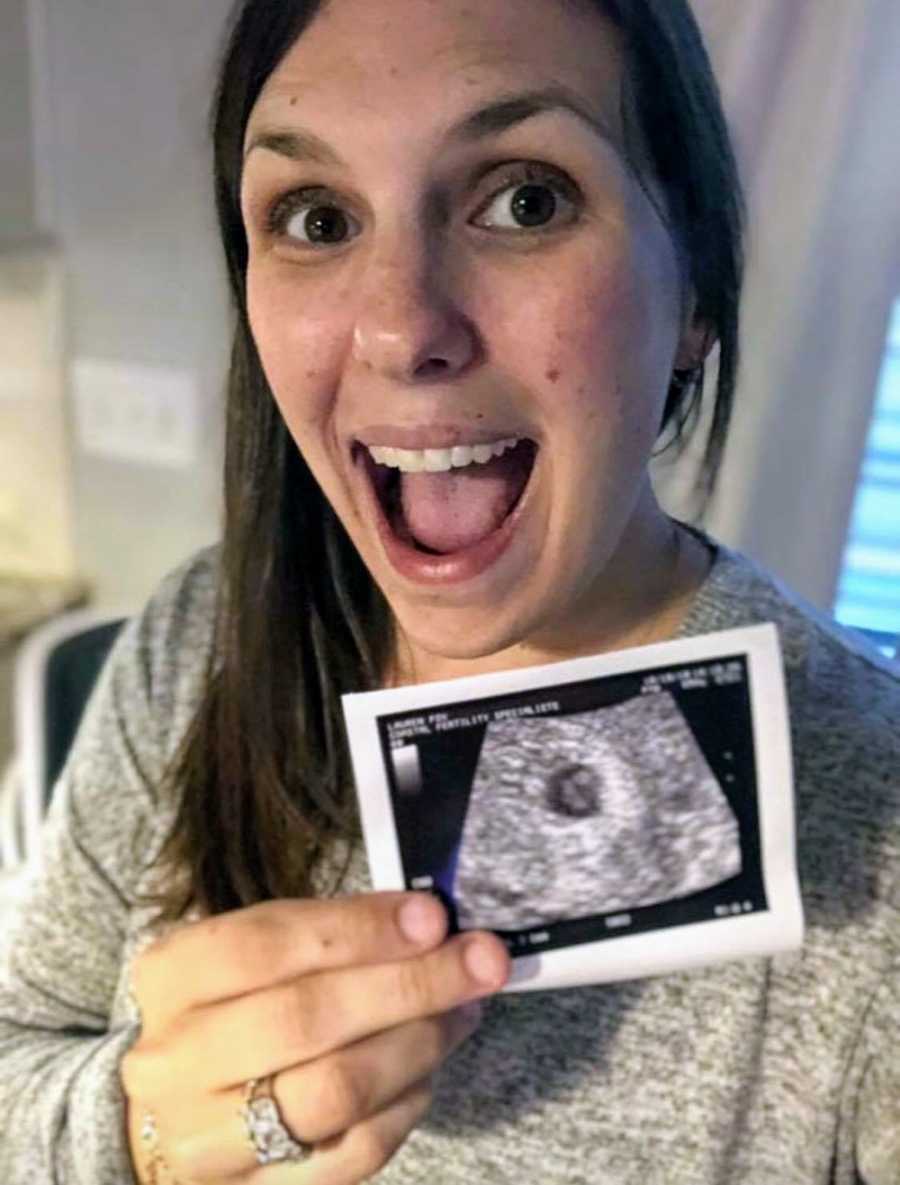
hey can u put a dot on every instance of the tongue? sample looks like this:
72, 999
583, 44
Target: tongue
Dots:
447, 512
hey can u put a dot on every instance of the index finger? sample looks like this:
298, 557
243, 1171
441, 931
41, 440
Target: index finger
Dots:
247, 949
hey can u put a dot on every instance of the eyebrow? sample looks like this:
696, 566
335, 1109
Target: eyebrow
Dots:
300, 144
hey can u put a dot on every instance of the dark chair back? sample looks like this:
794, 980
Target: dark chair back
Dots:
71, 671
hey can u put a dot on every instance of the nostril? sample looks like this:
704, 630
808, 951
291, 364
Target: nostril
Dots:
432, 366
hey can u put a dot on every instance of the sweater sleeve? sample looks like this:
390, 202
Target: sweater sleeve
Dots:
878, 1112
62, 1113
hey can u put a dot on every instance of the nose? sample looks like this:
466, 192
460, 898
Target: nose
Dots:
408, 326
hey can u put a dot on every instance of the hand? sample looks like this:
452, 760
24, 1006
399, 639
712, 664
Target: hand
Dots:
352, 1003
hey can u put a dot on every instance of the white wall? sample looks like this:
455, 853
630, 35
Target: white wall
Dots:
35, 488
821, 166
124, 168
16, 171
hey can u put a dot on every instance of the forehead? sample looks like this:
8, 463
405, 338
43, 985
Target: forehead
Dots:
361, 61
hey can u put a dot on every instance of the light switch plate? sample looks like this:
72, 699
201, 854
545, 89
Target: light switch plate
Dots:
147, 414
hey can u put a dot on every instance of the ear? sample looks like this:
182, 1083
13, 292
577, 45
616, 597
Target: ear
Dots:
698, 336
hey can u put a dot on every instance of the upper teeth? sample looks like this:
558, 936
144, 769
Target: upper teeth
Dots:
439, 460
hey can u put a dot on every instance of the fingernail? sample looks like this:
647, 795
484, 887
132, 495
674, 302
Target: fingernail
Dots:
420, 919
483, 963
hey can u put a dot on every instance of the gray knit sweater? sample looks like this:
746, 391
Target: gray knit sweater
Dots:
763, 1071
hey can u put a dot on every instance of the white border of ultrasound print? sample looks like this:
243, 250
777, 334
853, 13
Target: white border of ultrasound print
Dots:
655, 952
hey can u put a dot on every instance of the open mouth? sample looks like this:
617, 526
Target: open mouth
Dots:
455, 511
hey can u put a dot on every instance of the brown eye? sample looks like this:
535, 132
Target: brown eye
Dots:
309, 217
531, 199
323, 224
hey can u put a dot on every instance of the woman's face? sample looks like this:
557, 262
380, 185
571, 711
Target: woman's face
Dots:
430, 269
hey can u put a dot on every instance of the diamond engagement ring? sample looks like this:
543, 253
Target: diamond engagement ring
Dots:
271, 1140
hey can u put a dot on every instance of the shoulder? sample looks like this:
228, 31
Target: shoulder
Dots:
838, 682
156, 670
176, 626
844, 700
108, 808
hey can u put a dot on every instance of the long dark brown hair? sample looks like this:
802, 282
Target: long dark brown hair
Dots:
262, 779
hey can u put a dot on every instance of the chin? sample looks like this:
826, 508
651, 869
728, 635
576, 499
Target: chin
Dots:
467, 634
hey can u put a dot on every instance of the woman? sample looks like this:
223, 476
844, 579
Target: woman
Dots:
496, 241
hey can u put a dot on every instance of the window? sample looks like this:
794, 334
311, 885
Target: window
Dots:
869, 589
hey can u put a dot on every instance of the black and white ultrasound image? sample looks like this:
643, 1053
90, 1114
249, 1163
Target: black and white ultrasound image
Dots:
606, 810
635, 807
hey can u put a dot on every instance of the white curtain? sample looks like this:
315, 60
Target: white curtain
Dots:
812, 92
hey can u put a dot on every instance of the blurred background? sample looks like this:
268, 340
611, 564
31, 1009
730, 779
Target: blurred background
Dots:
114, 321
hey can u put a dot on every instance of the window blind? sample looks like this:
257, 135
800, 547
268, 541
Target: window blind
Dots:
868, 595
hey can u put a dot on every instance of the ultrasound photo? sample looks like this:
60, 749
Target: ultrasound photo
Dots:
585, 814
610, 817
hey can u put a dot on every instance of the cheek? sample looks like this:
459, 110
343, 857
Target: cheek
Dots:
609, 336
588, 343
295, 339
584, 313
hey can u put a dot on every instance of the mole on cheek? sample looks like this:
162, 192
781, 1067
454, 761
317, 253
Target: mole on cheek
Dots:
553, 375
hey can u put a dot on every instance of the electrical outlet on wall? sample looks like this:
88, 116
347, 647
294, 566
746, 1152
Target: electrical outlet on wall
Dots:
132, 412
